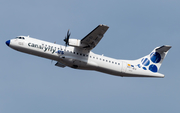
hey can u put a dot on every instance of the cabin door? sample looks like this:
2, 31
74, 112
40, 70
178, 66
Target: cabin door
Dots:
124, 66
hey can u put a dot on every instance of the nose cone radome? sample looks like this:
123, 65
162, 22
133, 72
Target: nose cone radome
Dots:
8, 42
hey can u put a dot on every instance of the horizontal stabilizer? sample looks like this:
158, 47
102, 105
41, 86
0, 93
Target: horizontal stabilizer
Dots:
163, 48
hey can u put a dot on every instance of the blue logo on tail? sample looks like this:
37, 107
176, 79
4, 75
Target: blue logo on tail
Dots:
155, 57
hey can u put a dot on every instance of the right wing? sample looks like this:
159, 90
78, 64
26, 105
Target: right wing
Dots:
93, 38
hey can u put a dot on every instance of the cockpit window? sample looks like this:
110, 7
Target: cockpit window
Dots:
20, 38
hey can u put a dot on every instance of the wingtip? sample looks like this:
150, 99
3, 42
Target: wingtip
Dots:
167, 46
104, 25
163, 48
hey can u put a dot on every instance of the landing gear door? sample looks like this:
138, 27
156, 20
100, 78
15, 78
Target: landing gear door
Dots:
124, 67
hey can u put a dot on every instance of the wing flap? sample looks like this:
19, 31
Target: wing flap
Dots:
59, 64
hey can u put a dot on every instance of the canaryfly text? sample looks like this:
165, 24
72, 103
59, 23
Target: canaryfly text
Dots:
46, 48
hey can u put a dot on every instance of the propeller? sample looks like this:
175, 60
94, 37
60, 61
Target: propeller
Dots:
66, 39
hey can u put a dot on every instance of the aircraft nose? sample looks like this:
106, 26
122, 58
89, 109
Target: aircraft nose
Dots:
8, 42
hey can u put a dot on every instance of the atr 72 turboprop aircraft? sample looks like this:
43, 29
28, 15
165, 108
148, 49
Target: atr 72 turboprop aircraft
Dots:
77, 54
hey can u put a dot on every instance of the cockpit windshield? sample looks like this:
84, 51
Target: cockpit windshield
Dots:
19, 37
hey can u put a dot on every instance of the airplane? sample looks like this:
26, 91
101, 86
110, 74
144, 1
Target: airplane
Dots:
77, 54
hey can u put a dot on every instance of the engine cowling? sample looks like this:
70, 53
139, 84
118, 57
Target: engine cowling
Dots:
76, 43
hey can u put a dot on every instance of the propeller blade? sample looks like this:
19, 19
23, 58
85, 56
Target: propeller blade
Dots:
66, 39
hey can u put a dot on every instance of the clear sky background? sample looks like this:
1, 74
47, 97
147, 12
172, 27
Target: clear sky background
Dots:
30, 84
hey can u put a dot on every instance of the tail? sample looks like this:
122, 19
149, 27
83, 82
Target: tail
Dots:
154, 60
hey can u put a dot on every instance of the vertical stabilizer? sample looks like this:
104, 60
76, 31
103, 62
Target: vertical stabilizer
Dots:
154, 60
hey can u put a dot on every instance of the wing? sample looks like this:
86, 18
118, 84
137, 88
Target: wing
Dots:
93, 38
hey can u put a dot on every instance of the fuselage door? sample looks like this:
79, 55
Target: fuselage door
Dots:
124, 66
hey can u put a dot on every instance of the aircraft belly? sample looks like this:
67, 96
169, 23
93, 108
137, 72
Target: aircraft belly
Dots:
113, 69
158, 75
109, 71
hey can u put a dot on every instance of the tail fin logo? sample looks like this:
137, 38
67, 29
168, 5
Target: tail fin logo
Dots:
155, 58
153, 68
145, 61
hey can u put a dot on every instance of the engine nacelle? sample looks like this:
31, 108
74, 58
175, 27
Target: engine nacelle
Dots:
76, 43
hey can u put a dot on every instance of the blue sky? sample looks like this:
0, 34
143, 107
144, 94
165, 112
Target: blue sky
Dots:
34, 85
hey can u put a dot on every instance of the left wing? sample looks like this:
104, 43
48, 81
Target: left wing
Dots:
93, 38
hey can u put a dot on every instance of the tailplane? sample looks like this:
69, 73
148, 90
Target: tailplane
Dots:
154, 60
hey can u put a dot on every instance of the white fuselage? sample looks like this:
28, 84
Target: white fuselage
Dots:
77, 58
